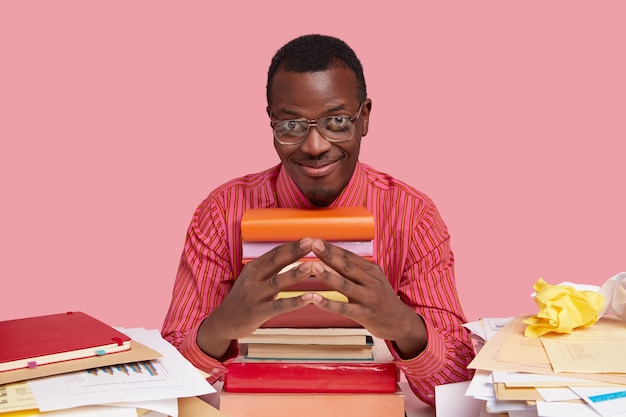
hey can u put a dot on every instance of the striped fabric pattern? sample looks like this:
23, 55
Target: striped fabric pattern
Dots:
412, 246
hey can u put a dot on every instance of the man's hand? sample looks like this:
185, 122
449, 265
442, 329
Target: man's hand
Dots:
372, 301
251, 302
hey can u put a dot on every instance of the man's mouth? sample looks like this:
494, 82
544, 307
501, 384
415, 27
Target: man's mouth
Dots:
318, 168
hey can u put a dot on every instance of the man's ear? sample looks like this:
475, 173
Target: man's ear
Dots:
365, 114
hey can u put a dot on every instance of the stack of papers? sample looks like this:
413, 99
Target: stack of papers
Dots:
579, 374
141, 386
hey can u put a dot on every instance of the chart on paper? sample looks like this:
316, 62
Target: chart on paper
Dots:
127, 369
112, 376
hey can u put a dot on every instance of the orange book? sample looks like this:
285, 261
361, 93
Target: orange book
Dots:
313, 404
286, 224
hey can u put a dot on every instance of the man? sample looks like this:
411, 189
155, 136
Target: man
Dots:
319, 111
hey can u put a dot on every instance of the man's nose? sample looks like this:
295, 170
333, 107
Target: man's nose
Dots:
314, 143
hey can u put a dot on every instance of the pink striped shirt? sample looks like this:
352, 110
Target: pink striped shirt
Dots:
412, 246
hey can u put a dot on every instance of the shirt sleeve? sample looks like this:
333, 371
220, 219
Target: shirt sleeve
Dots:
428, 286
203, 279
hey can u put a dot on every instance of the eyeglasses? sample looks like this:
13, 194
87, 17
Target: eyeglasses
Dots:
335, 129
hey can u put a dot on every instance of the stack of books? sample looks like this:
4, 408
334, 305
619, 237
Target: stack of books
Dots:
351, 228
76, 363
310, 362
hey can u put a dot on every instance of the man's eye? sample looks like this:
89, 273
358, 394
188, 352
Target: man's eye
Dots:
337, 123
293, 126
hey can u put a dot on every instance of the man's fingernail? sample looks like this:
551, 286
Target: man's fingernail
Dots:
316, 298
318, 245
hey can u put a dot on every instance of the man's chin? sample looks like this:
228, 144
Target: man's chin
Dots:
320, 196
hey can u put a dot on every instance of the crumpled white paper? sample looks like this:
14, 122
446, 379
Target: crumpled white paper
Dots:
614, 292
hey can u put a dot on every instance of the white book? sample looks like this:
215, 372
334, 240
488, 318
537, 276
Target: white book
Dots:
251, 250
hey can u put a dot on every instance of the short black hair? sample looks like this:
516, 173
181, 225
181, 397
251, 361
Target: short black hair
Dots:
312, 53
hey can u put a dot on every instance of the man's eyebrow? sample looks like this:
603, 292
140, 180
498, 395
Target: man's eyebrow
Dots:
298, 115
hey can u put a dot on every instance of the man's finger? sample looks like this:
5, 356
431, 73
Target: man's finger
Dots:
272, 262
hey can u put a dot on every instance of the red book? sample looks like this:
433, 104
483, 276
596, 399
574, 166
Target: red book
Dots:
310, 316
34, 341
379, 375
276, 376
309, 284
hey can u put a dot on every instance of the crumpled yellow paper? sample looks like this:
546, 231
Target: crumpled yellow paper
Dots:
562, 309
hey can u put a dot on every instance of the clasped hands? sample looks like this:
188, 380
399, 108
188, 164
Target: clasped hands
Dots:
373, 302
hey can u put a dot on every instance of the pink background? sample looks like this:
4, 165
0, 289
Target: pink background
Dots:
118, 117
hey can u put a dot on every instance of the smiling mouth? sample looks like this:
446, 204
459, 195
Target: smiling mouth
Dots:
318, 168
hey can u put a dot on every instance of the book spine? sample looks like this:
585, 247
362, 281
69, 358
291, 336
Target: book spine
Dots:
329, 294
251, 250
294, 377
311, 405
293, 225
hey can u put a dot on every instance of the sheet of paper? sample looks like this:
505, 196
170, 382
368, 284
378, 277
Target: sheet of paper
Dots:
167, 406
519, 348
596, 349
491, 325
483, 329
87, 411
497, 406
517, 393
520, 413
476, 329
520, 379
557, 394
452, 403
561, 409
608, 402
18, 396
94, 411
171, 376
15, 397
481, 386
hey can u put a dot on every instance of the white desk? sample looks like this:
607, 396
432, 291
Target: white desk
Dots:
452, 402
413, 406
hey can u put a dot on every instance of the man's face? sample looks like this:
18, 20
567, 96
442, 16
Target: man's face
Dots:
321, 169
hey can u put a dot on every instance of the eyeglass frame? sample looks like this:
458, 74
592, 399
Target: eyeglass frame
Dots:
314, 122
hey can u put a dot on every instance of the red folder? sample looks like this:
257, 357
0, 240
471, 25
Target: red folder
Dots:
33, 341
